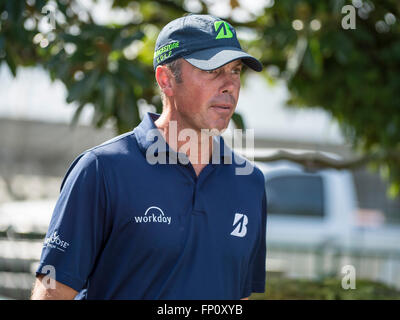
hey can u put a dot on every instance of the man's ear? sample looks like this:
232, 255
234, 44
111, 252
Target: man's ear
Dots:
164, 79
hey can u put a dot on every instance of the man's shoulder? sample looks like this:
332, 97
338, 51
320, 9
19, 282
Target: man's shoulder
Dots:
104, 156
119, 145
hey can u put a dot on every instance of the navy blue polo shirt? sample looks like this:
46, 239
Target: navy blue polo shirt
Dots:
124, 228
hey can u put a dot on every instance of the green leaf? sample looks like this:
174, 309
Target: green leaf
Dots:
83, 88
238, 121
122, 42
11, 62
77, 115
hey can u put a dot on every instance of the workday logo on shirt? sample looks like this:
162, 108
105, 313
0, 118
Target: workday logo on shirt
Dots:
153, 214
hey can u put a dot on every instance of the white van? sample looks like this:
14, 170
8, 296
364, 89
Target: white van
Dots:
314, 225
309, 207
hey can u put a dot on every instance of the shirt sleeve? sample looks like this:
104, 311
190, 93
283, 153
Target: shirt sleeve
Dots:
75, 234
256, 275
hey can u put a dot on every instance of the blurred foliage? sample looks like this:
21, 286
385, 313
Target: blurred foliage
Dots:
353, 74
327, 289
107, 66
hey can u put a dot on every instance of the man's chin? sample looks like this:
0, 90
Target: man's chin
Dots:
218, 127
214, 130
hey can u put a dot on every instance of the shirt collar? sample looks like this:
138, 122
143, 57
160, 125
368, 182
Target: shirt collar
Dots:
145, 139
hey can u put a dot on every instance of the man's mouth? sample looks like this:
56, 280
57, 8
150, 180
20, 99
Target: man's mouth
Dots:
222, 109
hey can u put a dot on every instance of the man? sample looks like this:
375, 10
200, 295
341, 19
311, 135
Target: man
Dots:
165, 218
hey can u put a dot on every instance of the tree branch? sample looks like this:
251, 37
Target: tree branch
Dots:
314, 160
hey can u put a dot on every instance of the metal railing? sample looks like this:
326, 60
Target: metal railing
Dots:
20, 254
327, 260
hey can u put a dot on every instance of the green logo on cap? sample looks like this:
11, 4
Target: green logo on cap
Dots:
165, 51
223, 30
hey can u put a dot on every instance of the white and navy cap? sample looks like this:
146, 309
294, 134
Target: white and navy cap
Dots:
204, 41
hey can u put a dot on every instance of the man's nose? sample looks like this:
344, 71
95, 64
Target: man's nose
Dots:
230, 83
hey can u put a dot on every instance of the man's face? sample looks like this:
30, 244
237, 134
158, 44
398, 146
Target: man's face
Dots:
207, 99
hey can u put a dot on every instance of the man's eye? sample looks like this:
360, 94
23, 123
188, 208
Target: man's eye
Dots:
211, 71
237, 71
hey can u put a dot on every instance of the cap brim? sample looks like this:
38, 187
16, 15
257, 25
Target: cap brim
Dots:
214, 58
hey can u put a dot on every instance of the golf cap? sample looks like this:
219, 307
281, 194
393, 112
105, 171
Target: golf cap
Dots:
204, 41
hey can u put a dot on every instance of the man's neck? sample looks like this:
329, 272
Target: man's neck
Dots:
195, 144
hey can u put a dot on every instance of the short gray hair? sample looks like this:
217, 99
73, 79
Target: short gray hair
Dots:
176, 69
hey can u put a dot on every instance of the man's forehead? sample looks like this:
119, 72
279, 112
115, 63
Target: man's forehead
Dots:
237, 62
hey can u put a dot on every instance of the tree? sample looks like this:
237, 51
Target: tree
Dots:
351, 73
108, 66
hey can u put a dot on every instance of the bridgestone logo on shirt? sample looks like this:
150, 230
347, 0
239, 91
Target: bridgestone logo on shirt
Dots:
153, 214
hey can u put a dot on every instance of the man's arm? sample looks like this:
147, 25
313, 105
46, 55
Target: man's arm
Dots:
60, 292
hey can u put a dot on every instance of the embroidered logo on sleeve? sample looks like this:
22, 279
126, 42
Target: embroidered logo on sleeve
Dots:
55, 242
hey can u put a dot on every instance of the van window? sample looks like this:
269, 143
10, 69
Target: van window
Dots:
296, 195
